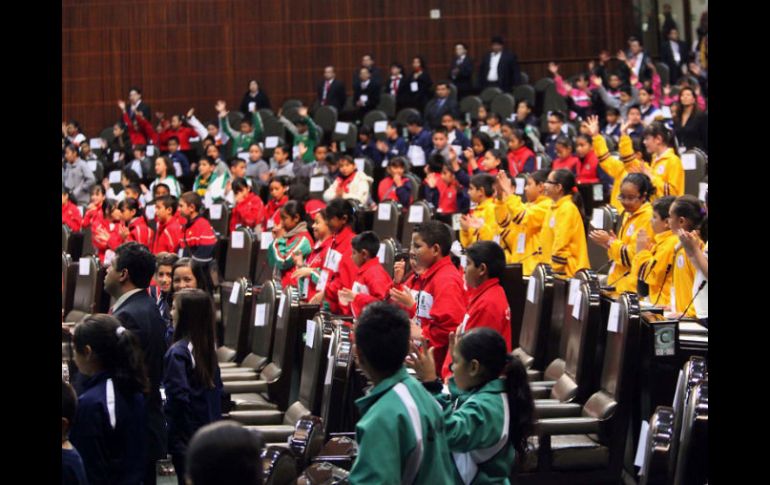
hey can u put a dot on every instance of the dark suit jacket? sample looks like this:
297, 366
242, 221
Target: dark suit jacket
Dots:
644, 72
261, 99
144, 108
336, 95
507, 71
695, 134
461, 75
376, 75
418, 99
372, 92
140, 314
433, 113
667, 57
402, 95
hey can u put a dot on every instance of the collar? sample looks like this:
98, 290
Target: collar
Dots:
659, 238
562, 201
380, 389
667, 153
191, 222
125, 296
495, 386
522, 149
96, 379
489, 202
540, 198
475, 293
430, 272
367, 265
399, 77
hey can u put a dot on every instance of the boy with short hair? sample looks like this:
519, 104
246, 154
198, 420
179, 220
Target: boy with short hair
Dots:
248, 207
305, 133
198, 239
168, 235
372, 283
396, 186
481, 225
250, 129
400, 435
161, 292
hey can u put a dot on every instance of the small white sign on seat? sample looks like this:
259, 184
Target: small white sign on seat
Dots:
341, 128
236, 240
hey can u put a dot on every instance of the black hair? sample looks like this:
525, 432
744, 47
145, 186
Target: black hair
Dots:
398, 65
625, 89
494, 114
69, 403
414, 119
246, 119
133, 177
397, 162
75, 124
436, 162
255, 144
341, 208
196, 323
662, 206
559, 115
636, 107
224, 452
368, 241
174, 138
72, 148
613, 111
643, 184
164, 186
365, 130
395, 125
96, 188
117, 350
442, 82
131, 204
486, 140
193, 199
165, 259
199, 271
584, 137
436, 232
489, 253
569, 185
294, 208
565, 141
134, 187
539, 176
488, 348
239, 184
134, 88
657, 128
208, 160
139, 147
499, 155
139, 262
484, 182
689, 207
236, 161
169, 165
284, 180
168, 202
441, 129
382, 336
423, 63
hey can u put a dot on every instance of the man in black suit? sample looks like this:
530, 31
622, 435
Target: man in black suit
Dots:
137, 104
366, 95
397, 85
440, 105
331, 91
461, 71
634, 62
500, 68
675, 55
127, 279
375, 74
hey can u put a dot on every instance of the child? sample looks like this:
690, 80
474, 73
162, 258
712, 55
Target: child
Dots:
198, 239
190, 374
481, 225
588, 163
209, 185
563, 236
72, 470
666, 173
698, 254
480, 145
256, 168
440, 300
70, 213
119, 148
168, 235
281, 165
127, 177
350, 184
565, 158
164, 171
367, 145
110, 422
398, 412
634, 195
521, 159
105, 233
338, 267
492, 162
224, 452
317, 167
612, 124
175, 129
653, 262
161, 291
308, 272
178, 157
76, 176
686, 215
135, 225
140, 130
447, 188
211, 129
95, 210
395, 186
71, 130
290, 237
188, 273
248, 208
304, 131
555, 124
578, 97
393, 145
489, 411
279, 186
455, 136
371, 283
250, 129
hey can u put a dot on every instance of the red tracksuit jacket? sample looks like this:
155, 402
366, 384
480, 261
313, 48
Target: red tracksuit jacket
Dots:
198, 239
487, 307
570, 163
273, 211
168, 237
372, 284
184, 133
587, 169
93, 215
114, 240
70, 215
521, 160
247, 212
145, 134
340, 269
441, 304
140, 232
315, 261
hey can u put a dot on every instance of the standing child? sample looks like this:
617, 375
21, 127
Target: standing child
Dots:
168, 235
250, 129
588, 163
248, 208
447, 188
70, 213
687, 214
654, 261
371, 283
350, 184
136, 228
563, 236
72, 470
190, 374
161, 292
110, 423
105, 234
290, 237
304, 131
481, 225
279, 188
395, 186
666, 173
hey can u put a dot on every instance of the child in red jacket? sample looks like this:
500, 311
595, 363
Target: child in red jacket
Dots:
565, 158
248, 208
177, 129
136, 228
168, 236
105, 232
589, 162
395, 186
95, 210
372, 282
520, 158
279, 189
70, 213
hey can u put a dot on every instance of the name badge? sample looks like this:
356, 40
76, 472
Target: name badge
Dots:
661, 169
552, 222
521, 242
333, 260
680, 261
413, 86
630, 230
424, 304
322, 279
360, 288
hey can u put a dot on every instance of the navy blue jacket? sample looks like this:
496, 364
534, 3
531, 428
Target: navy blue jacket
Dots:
425, 140
369, 150
139, 313
112, 454
72, 470
180, 157
189, 404
396, 148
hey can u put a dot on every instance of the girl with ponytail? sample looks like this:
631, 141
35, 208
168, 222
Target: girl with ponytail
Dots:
488, 413
109, 430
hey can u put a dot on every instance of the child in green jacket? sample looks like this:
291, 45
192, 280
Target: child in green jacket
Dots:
251, 130
400, 435
488, 413
306, 133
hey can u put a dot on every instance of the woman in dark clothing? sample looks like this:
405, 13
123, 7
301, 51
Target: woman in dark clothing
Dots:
690, 124
254, 95
418, 85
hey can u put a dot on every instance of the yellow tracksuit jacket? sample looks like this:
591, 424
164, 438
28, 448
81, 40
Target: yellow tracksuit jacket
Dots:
563, 238
655, 267
623, 249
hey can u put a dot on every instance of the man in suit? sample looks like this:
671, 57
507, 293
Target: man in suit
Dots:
675, 55
127, 279
440, 105
397, 85
461, 71
331, 91
500, 68
137, 104
367, 61
366, 95
634, 62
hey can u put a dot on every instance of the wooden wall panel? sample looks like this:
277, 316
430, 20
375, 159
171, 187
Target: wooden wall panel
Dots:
185, 53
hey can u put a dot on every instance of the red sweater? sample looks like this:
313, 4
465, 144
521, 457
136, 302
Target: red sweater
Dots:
184, 133
273, 211
93, 215
247, 212
570, 163
521, 160
70, 215
340, 269
145, 134
199, 239
315, 261
587, 169
140, 232
114, 240
168, 237
372, 284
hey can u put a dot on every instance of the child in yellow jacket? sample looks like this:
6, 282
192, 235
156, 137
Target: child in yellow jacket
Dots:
654, 259
666, 173
480, 224
563, 237
621, 249
686, 214
520, 223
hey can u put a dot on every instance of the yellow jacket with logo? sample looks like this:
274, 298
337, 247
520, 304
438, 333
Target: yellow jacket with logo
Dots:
520, 224
655, 267
667, 175
563, 238
623, 249
487, 232
617, 169
684, 276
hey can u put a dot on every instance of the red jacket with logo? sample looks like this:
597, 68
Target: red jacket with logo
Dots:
343, 275
198, 239
273, 211
521, 160
183, 133
247, 212
140, 232
93, 215
586, 173
70, 215
372, 284
168, 237
315, 261
113, 241
570, 163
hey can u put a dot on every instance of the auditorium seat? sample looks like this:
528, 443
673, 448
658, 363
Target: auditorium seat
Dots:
537, 317
604, 218
503, 104
387, 105
420, 211
389, 248
236, 310
326, 117
279, 466
372, 116
694, 162
488, 94
219, 217
524, 91
387, 219
346, 134
239, 263
470, 105
89, 288
69, 276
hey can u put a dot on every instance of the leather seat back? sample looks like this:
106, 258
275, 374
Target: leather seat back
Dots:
88, 245
237, 315
537, 317
279, 465
240, 260
387, 220
558, 331
88, 285
326, 117
693, 176
219, 217
655, 468
515, 292
336, 379
312, 363
388, 250
68, 274
692, 456
419, 212
262, 326
503, 104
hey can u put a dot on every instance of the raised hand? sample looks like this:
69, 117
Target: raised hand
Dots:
302, 110
399, 269
190, 113
643, 241
220, 106
421, 360
553, 68
506, 184
122, 105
